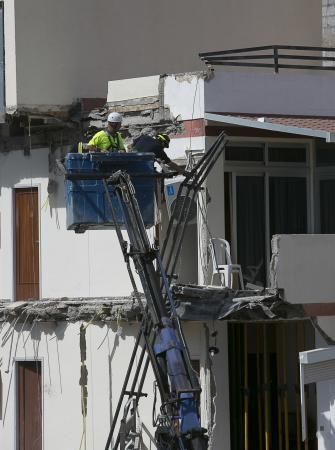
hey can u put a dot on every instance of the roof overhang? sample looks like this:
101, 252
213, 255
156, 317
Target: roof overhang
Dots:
328, 136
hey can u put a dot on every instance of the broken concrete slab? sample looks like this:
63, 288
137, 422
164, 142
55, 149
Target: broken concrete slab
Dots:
71, 310
220, 303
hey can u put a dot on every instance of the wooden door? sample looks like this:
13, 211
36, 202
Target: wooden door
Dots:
27, 244
29, 406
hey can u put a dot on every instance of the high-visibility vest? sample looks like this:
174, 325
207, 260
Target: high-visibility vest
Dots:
105, 142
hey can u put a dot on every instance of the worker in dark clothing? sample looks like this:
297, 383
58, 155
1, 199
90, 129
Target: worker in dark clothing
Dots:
156, 145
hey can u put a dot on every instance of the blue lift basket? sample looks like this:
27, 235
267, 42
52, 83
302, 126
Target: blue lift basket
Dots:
87, 207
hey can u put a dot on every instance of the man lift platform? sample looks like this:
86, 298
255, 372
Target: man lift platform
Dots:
178, 424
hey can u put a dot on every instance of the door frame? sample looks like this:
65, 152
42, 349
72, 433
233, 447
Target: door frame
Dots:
18, 359
13, 220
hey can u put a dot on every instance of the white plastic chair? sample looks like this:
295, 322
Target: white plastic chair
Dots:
222, 264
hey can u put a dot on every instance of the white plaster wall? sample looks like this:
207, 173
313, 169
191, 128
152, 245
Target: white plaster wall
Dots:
132, 88
221, 409
57, 346
10, 54
179, 146
303, 265
184, 95
297, 93
149, 36
71, 265
64, 50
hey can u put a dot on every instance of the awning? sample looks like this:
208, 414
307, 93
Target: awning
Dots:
314, 127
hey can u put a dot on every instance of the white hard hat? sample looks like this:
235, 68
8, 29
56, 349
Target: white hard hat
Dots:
114, 117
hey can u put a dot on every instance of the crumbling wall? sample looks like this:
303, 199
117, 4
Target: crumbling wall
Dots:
328, 23
303, 266
83, 369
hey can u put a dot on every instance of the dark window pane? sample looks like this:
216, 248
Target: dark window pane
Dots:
251, 228
288, 205
327, 210
244, 153
285, 154
325, 156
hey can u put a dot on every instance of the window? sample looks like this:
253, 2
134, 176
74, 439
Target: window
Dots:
325, 154
247, 153
287, 154
263, 200
288, 205
324, 187
327, 212
250, 224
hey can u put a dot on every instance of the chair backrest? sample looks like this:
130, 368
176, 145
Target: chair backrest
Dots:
220, 251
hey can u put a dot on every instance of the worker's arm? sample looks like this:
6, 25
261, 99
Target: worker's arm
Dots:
175, 167
93, 145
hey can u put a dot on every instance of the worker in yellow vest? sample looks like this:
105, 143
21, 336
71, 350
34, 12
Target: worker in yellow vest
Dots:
109, 139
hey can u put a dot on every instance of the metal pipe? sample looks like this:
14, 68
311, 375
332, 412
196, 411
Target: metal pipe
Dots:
275, 57
279, 66
285, 399
240, 383
246, 393
124, 387
304, 330
132, 389
259, 391
266, 389
138, 393
279, 394
204, 55
233, 370
296, 382
192, 183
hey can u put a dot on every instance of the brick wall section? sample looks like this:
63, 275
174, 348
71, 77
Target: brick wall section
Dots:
89, 103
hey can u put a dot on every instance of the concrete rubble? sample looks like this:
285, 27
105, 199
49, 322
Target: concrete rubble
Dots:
195, 303
218, 303
71, 310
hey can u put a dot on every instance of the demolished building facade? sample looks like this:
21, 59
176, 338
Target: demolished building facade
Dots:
65, 353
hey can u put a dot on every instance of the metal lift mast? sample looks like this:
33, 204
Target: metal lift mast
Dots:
178, 425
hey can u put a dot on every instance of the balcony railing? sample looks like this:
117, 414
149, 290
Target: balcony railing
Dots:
274, 56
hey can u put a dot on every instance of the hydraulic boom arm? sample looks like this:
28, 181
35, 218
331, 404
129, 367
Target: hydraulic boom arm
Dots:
179, 424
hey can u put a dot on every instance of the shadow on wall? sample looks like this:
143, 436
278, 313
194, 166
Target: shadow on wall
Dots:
112, 345
39, 168
40, 164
